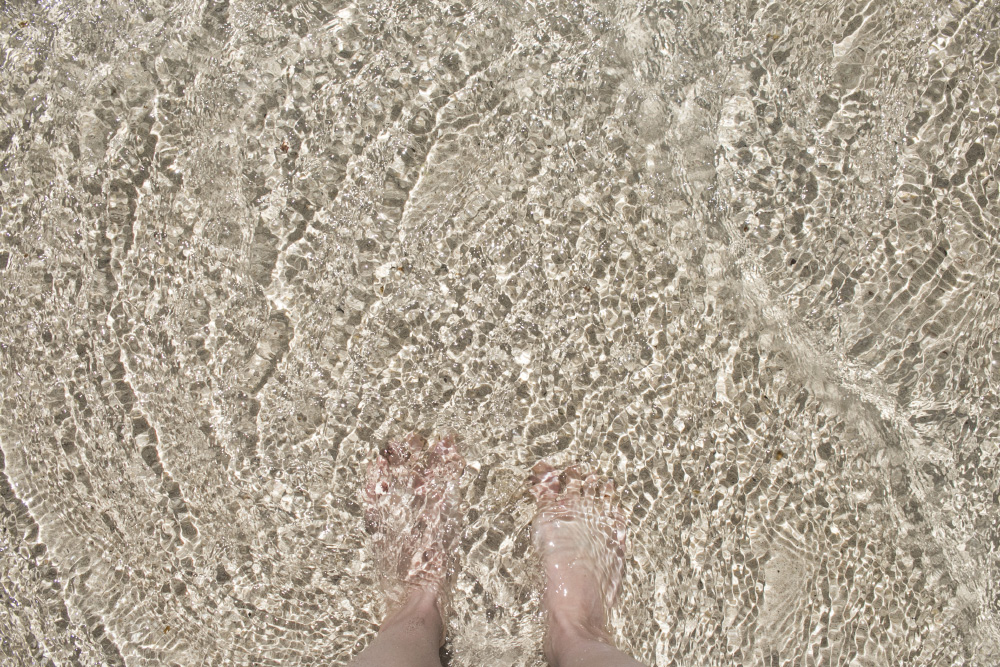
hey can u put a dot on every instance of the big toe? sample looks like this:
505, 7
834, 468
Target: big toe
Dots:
544, 482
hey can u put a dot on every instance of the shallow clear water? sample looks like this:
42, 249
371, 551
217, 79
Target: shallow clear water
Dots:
740, 256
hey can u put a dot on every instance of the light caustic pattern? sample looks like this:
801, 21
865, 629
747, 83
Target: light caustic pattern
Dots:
739, 257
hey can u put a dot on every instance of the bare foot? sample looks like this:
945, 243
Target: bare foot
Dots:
580, 535
412, 500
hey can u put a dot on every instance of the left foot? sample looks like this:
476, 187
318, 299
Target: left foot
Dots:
411, 498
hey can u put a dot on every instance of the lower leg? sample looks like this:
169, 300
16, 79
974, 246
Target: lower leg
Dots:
409, 636
580, 647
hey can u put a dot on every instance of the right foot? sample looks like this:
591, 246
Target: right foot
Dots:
579, 532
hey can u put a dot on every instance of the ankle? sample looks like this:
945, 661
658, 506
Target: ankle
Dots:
565, 633
418, 610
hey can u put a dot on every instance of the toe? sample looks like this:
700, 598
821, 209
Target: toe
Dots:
415, 443
544, 482
540, 471
444, 454
592, 486
372, 521
620, 528
572, 480
571, 473
445, 444
396, 452
375, 473
606, 496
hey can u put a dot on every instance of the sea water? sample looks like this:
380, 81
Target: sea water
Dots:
739, 256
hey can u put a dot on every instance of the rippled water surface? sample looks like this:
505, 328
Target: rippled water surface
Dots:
740, 256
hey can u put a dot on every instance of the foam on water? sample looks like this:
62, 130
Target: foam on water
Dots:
741, 257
